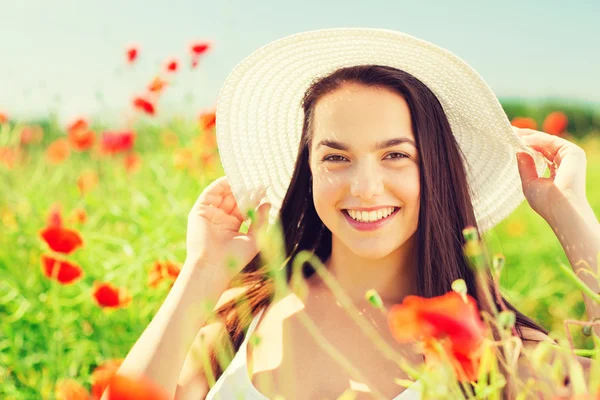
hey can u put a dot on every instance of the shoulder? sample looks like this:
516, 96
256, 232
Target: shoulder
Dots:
208, 336
531, 337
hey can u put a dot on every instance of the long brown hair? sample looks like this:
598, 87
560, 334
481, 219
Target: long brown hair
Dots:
445, 204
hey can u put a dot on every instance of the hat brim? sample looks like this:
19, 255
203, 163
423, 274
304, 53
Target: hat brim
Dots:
259, 116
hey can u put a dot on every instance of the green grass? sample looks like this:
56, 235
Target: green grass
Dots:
50, 331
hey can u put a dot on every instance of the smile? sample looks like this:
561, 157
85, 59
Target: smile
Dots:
369, 225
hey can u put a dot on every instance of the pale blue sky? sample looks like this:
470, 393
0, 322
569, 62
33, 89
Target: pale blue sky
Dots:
74, 48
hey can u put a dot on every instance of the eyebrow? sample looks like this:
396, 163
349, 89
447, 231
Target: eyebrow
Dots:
378, 146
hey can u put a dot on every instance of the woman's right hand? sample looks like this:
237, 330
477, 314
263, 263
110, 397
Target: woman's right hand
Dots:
213, 233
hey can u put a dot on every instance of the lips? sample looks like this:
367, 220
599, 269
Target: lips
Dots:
369, 226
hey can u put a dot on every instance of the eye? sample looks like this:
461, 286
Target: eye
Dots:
329, 158
399, 155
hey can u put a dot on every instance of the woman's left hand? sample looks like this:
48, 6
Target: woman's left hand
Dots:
567, 163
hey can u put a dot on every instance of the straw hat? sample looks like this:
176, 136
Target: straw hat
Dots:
259, 114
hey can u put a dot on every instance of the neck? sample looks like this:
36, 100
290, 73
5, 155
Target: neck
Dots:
392, 276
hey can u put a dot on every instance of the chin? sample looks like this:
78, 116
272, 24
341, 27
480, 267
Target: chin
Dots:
371, 251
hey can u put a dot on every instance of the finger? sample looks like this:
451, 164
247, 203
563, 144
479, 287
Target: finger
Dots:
527, 169
216, 215
229, 205
262, 219
252, 200
214, 192
523, 131
550, 143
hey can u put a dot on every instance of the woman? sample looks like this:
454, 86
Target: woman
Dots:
399, 147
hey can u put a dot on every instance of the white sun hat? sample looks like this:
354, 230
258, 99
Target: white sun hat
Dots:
259, 114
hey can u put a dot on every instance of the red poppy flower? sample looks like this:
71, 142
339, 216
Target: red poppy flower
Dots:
132, 54
157, 85
449, 319
58, 151
79, 123
132, 162
163, 270
63, 271
144, 105
109, 296
117, 142
102, 375
207, 120
3, 118
524, 123
61, 239
70, 389
87, 181
82, 139
172, 65
78, 216
123, 387
555, 123
54, 216
199, 48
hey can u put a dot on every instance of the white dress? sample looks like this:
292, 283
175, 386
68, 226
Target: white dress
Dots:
235, 384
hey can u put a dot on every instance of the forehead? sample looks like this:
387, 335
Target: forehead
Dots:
356, 113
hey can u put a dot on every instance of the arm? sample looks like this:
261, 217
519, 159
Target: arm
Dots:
578, 231
160, 352
526, 371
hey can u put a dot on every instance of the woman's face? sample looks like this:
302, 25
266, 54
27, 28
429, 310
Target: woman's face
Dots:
351, 172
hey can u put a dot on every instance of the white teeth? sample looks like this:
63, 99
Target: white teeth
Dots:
364, 216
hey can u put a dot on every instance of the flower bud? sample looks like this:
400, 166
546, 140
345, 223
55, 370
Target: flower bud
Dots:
498, 263
507, 319
373, 297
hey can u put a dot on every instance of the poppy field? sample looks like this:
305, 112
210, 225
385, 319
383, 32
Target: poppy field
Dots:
92, 236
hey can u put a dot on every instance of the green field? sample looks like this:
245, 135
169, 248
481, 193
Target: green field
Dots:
52, 331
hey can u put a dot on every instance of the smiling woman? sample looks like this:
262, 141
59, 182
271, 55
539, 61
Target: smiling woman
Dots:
375, 150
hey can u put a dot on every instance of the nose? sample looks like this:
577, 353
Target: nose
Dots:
366, 183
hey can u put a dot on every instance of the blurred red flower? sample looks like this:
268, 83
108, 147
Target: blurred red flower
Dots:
65, 271
132, 162
448, 319
144, 105
54, 217
207, 120
79, 123
157, 85
524, 123
82, 139
61, 239
70, 389
102, 375
78, 216
132, 53
58, 151
109, 296
87, 181
172, 65
3, 118
123, 387
163, 270
555, 123
118, 142
31, 135
199, 48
